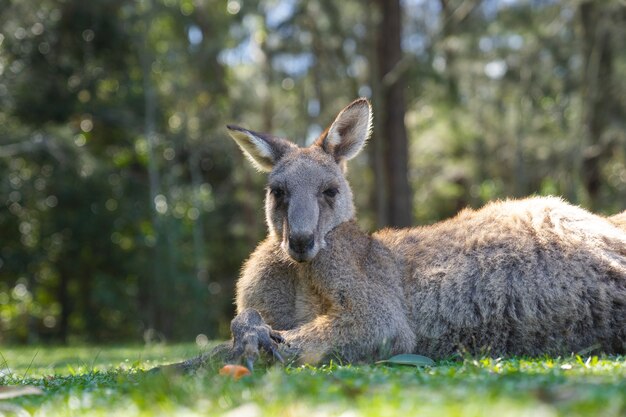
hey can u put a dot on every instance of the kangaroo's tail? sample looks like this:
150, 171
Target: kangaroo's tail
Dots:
619, 220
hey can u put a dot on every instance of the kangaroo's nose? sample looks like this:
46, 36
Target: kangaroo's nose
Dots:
301, 243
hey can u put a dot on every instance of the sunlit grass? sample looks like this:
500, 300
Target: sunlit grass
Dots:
93, 381
43, 361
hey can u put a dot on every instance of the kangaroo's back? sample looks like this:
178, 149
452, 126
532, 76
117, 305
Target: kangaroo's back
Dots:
619, 220
529, 276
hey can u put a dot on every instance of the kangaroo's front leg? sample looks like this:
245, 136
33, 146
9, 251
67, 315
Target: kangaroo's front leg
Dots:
349, 338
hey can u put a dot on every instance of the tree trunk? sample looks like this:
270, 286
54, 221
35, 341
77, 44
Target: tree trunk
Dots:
393, 130
453, 15
65, 302
375, 150
447, 30
598, 97
154, 285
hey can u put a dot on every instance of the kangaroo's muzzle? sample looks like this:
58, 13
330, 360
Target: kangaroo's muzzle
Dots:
301, 244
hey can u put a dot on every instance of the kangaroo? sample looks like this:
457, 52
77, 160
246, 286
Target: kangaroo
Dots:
619, 220
517, 277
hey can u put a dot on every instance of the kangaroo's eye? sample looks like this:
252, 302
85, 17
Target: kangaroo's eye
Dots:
331, 192
277, 192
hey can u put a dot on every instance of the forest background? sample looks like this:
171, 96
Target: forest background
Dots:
126, 211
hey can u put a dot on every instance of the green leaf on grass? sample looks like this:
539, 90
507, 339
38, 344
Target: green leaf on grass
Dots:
408, 359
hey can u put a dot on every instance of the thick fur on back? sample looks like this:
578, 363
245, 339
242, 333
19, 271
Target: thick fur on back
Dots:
516, 277
534, 276
619, 220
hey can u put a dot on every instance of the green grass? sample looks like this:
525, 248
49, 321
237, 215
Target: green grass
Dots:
95, 381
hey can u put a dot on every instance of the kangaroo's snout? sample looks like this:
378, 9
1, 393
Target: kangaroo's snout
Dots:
301, 225
301, 243
301, 247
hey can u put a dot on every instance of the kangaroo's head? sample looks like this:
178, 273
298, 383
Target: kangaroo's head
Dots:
307, 192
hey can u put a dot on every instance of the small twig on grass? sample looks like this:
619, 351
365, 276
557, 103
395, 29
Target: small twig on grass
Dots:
93, 362
6, 365
8, 392
589, 349
30, 364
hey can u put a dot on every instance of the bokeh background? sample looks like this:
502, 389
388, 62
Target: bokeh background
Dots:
126, 211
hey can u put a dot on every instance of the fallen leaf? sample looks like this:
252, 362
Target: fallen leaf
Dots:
409, 359
234, 371
13, 391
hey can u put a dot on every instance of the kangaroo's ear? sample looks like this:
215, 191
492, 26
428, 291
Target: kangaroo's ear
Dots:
262, 149
345, 138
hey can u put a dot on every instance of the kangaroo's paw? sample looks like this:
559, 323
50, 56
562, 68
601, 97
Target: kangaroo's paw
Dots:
250, 335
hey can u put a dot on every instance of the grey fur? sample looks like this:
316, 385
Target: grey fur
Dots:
532, 276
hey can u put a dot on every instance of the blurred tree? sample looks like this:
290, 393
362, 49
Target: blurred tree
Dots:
127, 212
96, 65
392, 132
453, 15
602, 114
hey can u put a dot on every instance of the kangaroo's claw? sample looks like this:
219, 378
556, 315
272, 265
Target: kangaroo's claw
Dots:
278, 356
250, 364
277, 337
251, 333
